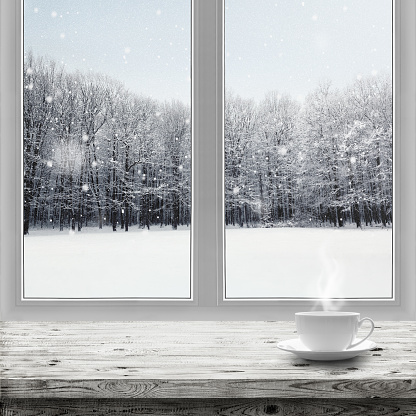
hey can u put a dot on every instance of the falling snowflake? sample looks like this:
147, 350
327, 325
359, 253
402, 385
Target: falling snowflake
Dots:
29, 71
85, 187
54, 14
353, 160
85, 137
49, 163
282, 151
48, 99
158, 12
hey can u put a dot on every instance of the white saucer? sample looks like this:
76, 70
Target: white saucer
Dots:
296, 347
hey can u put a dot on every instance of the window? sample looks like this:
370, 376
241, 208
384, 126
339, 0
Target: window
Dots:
309, 149
208, 186
106, 148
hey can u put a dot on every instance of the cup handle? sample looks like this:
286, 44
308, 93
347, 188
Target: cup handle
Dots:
359, 326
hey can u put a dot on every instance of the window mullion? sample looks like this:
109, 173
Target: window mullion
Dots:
207, 127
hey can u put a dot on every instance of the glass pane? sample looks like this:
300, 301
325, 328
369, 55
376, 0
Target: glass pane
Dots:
107, 149
308, 149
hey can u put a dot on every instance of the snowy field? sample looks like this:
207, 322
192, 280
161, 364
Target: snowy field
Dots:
103, 263
278, 262
309, 262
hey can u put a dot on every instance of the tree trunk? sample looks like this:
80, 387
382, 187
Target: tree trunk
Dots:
127, 219
113, 203
356, 214
26, 218
175, 200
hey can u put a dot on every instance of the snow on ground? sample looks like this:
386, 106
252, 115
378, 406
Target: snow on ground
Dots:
273, 262
103, 263
309, 262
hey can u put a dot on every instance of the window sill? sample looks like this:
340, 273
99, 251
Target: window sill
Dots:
195, 360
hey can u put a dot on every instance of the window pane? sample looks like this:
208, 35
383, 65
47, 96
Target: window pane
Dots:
308, 149
107, 149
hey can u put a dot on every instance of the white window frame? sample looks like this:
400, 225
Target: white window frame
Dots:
208, 188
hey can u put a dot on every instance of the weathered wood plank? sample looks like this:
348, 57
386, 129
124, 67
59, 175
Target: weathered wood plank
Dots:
196, 388
194, 359
228, 407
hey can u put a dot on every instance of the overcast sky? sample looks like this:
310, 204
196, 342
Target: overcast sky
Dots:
143, 43
292, 45
284, 45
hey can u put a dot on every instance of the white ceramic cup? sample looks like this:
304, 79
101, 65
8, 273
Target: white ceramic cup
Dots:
330, 331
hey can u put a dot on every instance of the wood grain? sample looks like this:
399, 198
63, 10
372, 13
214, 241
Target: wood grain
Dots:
189, 360
207, 407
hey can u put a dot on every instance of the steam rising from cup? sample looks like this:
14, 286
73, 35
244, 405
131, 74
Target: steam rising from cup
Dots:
330, 282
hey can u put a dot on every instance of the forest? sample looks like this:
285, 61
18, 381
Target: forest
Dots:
96, 154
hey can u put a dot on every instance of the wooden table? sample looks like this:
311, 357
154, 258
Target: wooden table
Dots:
187, 368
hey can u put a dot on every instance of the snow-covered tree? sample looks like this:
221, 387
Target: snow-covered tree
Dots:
98, 154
